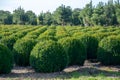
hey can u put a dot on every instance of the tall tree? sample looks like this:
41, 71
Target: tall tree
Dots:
41, 18
75, 16
97, 16
32, 18
48, 18
63, 15
117, 9
87, 14
109, 13
19, 16
5, 17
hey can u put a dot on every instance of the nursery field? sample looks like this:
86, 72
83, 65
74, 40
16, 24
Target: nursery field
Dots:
48, 51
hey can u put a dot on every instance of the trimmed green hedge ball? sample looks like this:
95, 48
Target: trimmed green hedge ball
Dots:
48, 56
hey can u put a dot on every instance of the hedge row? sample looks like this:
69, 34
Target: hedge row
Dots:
10, 31
9, 41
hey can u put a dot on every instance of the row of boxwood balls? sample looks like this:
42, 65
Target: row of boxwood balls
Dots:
52, 56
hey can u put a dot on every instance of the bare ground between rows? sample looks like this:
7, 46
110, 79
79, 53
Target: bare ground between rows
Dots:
89, 69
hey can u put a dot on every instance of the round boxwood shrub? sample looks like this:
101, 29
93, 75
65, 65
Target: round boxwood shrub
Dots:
22, 49
8, 41
91, 45
75, 50
48, 56
109, 51
6, 59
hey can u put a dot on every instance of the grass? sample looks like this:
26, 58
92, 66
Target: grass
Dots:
86, 76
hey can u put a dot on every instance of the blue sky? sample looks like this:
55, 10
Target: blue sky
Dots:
43, 5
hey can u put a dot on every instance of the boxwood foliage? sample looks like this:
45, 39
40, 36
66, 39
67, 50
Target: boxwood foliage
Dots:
6, 33
19, 35
46, 37
99, 36
48, 56
91, 45
109, 51
8, 41
62, 34
75, 50
6, 59
0, 36
31, 36
22, 49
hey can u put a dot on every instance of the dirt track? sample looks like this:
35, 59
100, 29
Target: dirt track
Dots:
19, 73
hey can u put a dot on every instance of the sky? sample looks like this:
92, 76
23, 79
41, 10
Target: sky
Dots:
38, 6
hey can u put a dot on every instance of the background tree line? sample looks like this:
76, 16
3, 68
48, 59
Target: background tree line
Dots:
103, 14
